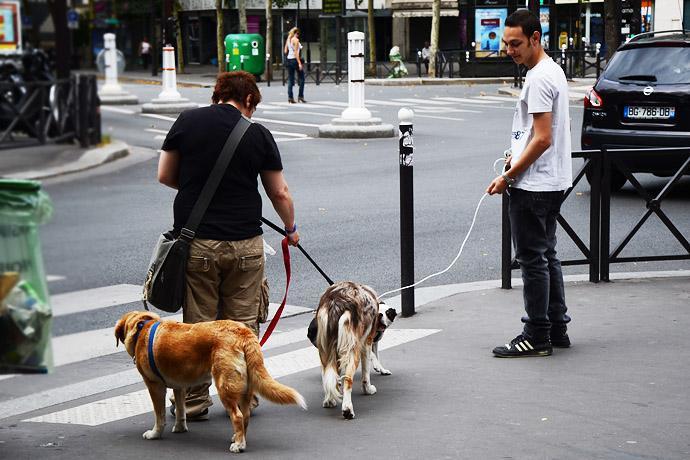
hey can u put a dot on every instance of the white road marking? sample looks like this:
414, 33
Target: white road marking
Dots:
159, 117
464, 100
263, 106
292, 139
139, 402
390, 103
338, 103
443, 110
108, 108
283, 133
422, 102
51, 278
94, 299
157, 131
159, 137
441, 118
307, 106
500, 98
299, 112
284, 122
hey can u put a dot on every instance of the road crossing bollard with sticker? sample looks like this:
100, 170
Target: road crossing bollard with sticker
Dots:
406, 159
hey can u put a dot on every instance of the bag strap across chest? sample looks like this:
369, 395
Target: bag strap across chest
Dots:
189, 230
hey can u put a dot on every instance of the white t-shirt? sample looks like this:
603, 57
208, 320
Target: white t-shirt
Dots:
545, 90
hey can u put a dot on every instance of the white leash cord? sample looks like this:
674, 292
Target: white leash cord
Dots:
474, 219
454, 260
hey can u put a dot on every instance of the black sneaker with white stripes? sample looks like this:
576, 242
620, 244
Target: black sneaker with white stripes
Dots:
521, 346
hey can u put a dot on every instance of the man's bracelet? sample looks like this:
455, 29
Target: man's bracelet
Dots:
291, 231
509, 180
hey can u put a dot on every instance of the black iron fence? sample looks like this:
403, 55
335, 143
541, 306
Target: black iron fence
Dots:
598, 254
41, 112
320, 72
576, 63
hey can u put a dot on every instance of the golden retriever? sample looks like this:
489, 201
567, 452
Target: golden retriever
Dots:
185, 355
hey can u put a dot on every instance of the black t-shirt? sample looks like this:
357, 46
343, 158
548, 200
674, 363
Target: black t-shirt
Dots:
198, 136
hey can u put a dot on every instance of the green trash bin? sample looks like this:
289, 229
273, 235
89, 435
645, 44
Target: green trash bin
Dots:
245, 52
25, 314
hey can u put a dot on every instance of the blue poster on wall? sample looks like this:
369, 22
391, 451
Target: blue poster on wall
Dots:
544, 21
488, 30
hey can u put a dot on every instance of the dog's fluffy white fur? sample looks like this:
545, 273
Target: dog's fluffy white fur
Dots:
348, 319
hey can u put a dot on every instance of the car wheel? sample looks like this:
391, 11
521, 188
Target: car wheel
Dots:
618, 179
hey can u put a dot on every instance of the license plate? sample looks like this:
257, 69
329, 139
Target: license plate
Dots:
649, 112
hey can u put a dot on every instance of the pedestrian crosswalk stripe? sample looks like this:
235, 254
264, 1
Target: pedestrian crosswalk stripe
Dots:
300, 112
307, 106
464, 100
422, 102
338, 103
500, 98
284, 122
390, 103
443, 110
138, 402
441, 118
94, 299
291, 139
35, 401
283, 133
51, 278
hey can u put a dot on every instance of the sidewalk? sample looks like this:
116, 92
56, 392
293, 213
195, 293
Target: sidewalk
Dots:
50, 160
619, 392
205, 77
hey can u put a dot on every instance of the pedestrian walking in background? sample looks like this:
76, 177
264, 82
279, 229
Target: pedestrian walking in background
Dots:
426, 53
540, 170
145, 53
225, 270
293, 49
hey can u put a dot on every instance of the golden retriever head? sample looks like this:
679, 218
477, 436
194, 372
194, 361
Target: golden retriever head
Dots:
126, 326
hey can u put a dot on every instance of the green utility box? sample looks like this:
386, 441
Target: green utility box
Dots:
25, 313
245, 52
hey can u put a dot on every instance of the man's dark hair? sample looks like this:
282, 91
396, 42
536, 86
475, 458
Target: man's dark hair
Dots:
236, 86
525, 19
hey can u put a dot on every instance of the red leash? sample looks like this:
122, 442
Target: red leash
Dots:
276, 317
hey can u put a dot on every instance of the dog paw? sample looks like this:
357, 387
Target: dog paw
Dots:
152, 434
180, 427
369, 389
237, 447
328, 403
383, 371
348, 413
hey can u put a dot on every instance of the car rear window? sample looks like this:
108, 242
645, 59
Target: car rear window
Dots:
660, 65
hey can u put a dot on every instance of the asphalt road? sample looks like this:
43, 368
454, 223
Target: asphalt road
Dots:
346, 195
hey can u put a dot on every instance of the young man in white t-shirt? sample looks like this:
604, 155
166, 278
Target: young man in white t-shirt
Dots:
540, 170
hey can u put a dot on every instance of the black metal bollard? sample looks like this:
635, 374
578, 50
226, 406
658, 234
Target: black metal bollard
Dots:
406, 158
419, 64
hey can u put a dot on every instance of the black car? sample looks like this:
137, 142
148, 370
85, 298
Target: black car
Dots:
642, 99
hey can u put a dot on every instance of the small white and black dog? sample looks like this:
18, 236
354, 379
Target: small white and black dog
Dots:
346, 330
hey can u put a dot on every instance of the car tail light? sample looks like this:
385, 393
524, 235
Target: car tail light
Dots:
593, 100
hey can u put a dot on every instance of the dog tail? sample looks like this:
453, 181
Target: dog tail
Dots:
329, 357
347, 342
262, 382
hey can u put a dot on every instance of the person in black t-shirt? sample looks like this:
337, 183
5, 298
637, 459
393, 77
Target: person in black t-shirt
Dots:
225, 270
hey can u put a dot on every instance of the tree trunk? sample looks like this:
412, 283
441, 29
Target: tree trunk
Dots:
242, 14
612, 26
372, 38
178, 34
269, 39
435, 26
220, 35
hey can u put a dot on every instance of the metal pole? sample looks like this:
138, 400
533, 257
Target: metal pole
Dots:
154, 43
406, 157
338, 51
605, 236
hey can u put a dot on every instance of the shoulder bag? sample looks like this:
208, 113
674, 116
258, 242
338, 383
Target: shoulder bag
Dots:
166, 279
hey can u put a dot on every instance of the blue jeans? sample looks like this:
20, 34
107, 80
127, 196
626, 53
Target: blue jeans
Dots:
533, 226
292, 68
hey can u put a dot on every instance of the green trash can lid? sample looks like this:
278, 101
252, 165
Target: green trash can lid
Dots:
20, 185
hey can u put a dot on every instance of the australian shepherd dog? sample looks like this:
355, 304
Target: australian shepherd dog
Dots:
348, 324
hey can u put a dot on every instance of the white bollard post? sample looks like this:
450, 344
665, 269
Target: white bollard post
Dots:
169, 100
169, 92
356, 120
355, 88
111, 92
111, 85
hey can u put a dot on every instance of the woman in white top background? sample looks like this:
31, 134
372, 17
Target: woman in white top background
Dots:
292, 48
